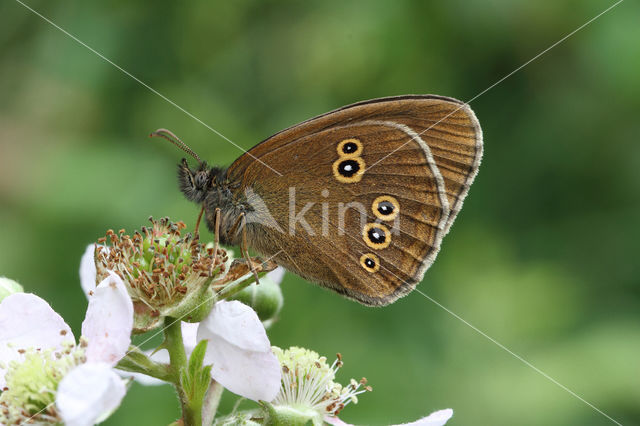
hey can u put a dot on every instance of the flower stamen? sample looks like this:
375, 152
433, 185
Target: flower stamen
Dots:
308, 383
32, 383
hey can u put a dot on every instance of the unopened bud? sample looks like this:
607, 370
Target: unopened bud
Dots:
265, 298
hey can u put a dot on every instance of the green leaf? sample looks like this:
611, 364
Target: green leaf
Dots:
195, 378
197, 357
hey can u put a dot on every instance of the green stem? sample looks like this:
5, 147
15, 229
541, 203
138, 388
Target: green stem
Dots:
211, 402
174, 344
136, 361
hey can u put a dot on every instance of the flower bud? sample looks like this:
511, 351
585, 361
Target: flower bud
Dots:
265, 298
8, 287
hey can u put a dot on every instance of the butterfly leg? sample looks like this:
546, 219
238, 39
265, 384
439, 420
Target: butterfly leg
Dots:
244, 249
217, 239
242, 222
197, 230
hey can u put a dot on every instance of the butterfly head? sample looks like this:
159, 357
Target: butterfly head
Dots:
196, 183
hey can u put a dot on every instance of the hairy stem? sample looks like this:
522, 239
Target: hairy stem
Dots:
174, 344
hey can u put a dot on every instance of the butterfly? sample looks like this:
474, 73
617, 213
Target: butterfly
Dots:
356, 200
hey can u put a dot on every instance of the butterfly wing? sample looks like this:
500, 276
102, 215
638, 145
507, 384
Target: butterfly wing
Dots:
359, 199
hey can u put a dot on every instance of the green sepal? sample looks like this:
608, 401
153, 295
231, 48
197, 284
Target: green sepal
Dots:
145, 319
136, 361
195, 306
240, 418
288, 416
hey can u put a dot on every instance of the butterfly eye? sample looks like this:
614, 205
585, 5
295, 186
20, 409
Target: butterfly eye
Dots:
386, 207
201, 179
348, 170
350, 148
376, 235
370, 262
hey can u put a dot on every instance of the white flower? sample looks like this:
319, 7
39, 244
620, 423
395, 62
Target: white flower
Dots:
238, 349
45, 376
308, 391
310, 394
89, 393
437, 418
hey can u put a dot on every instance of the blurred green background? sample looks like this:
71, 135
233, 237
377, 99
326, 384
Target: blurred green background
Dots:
543, 257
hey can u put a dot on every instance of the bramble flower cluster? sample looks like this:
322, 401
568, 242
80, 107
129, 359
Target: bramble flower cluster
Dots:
213, 317
46, 378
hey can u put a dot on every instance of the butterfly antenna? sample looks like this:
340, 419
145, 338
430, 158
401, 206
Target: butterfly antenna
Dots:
168, 135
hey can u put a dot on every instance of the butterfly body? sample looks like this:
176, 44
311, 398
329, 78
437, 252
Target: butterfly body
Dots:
356, 200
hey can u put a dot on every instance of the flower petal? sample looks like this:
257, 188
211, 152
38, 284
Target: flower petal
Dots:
109, 321
27, 321
253, 375
437, 418
189, 336
335, 421
240, 352
237, 324
88, 394
88, 270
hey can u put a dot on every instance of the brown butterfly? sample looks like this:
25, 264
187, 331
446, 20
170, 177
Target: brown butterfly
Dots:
356, 200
